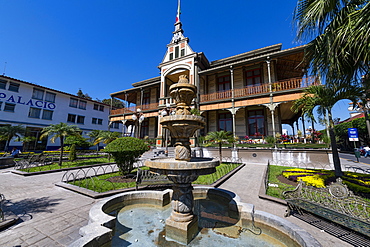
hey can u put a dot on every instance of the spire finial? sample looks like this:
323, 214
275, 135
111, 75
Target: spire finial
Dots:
178, 12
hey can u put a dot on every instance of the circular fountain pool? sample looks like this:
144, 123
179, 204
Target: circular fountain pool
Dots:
138, 219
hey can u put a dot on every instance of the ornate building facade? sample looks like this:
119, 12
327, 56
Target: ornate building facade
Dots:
249, 94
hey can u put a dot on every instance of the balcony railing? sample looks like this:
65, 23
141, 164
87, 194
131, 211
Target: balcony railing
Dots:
293, 83
284, 85
132, 109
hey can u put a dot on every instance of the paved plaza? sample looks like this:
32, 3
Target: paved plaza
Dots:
51, 215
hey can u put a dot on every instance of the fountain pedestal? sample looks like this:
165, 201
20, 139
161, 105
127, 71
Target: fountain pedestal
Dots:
182, 225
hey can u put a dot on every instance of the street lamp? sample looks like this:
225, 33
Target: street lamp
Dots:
138, 117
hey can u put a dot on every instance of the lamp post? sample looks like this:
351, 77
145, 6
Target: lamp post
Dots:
138, 118
166, 111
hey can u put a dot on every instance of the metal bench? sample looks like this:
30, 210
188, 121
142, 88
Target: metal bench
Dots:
335, 203
146, 177
6, 161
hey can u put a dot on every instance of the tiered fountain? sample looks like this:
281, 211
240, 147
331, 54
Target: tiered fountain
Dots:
136, 218
182, 170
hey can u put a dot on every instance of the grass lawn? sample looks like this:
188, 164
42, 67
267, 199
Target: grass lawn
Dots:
68, 164
102, 184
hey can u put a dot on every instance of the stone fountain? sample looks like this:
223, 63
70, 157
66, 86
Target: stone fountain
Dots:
136, 218
182, 225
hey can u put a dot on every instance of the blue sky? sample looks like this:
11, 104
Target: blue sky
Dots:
103, 46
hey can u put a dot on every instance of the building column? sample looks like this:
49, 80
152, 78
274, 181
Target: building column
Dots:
272, 108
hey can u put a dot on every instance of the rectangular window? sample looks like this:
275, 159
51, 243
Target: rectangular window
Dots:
171, 56
182, 52
71, 118
144, 131
146, 98
115, 125
47, 115
13, 87
34, 112
224, 83
94, 120
256, 123
38, 94
80, 119
73, 102
82, 104
176, 52
9, 107
225, 121
2, 84
96, 107
50, 97
253, 77
101, 108
100, 121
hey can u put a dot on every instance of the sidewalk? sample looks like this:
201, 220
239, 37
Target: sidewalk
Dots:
52, 216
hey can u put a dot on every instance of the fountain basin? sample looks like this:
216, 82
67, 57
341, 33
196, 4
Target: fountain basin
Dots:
106, 219
194, 164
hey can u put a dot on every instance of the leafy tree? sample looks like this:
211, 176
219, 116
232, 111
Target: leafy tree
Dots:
27, 140
125, 151
116, 103
8, 132
220, 137
61, 131
83, 95
339, 50
77, 140
341, 131
324, 98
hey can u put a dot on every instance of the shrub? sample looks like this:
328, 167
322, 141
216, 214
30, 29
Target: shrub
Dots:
125, 150
72, 153
270, 139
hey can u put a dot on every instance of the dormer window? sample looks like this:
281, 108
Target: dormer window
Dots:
182, 52
171, 56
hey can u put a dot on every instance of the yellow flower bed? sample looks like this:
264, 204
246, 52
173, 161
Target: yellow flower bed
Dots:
54, 152
310, 177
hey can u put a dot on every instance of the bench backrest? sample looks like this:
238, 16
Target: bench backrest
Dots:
336, 196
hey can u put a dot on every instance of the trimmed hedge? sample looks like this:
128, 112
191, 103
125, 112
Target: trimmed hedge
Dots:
125, 151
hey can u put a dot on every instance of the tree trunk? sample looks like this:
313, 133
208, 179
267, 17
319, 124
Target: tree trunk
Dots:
220, 151
367, 122
61, 150
336, 160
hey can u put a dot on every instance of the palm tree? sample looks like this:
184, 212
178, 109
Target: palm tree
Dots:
61, 131
8, 132
220, 137
324, 98
340, 32
95, 138
107, 136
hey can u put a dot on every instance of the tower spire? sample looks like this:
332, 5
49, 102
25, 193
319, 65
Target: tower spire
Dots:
178, 11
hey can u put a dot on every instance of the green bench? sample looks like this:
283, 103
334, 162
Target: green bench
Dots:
146, 177
335, 203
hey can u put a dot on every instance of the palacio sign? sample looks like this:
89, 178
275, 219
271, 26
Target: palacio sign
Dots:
28, 102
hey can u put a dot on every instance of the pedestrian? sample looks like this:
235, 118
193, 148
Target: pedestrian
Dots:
367, 151
15, 153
